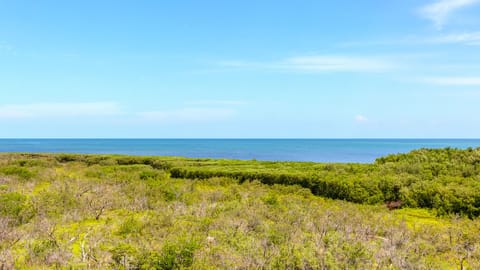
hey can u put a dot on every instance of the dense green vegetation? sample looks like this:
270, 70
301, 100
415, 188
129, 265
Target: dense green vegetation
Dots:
123, 212
446, 180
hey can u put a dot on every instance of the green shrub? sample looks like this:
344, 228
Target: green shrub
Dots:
20, 172
41, 248
131, 225
270, 199
151, 174
178, 255
124, 256
64, 158
16, 207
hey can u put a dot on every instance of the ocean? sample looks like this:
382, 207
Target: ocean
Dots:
316, 150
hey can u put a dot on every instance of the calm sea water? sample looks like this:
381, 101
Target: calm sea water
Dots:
320, 150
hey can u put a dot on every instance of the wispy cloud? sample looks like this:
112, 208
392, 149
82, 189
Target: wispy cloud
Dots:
88, 110
58, 110
467, 38
463, 38
453, 81
6, 47
359, 118
338, 63
440, 11
188, 115
216, 102
318, 64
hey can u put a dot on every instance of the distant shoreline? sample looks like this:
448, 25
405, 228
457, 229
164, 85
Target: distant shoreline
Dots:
301, 150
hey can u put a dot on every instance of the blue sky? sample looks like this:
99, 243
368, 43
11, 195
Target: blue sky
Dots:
240, 69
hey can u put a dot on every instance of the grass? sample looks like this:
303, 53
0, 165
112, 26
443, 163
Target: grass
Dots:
120, 212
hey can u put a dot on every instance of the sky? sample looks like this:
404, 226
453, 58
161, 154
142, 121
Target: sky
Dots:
240, 69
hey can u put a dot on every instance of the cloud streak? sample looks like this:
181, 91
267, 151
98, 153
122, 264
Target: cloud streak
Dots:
318, 64
360, 118
58, 110
187, 115
216, 102
90, 110
439, 12
6, 47
453, 81
467, 38
464, 38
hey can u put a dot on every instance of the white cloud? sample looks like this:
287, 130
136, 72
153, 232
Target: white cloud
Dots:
216, 102
439, 12
453, 81
190, 115
319, 63
6, 47
360, 118
337, 63
467, 38
58, 110
55, 111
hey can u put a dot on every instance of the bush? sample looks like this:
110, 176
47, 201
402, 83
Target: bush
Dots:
124, 256
130, 226
16, 206
177, 255
20, 172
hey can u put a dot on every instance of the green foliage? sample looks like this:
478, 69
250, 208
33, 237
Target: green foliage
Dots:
173, 255
16, 207
63, 158
18, 171
271, 199
124, 256
120, 212
41, 248
441, 179
151, 174
131, 225
178, 255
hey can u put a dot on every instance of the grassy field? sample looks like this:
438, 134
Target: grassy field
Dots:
123, 212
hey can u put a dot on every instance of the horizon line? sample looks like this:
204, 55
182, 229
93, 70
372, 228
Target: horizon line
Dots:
233, 138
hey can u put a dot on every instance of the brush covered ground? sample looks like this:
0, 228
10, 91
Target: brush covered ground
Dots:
120, 212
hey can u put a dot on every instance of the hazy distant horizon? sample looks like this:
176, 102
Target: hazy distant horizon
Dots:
311, 150
230, 138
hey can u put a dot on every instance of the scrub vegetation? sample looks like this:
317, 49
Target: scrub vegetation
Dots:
408, 211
